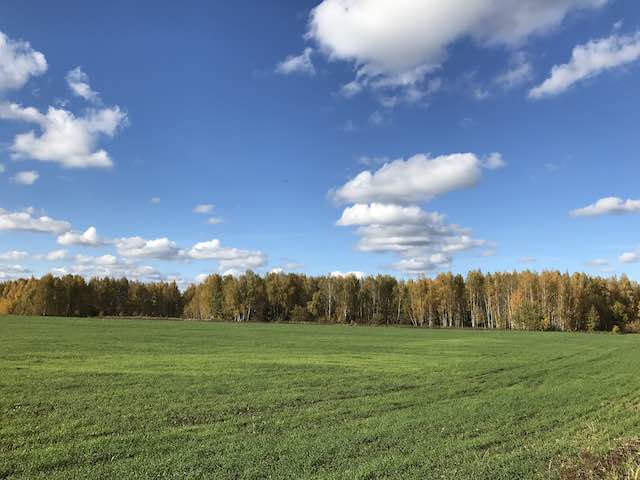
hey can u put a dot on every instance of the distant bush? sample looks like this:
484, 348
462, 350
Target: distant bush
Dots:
616, 330
632, 327
299, 315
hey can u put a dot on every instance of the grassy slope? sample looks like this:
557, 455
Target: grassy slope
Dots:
157, 399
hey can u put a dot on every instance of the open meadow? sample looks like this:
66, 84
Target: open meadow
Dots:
143, 399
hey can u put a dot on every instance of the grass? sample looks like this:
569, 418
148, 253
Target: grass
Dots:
143, 399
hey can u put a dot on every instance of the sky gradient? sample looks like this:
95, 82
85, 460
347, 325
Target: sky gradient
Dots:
159, 140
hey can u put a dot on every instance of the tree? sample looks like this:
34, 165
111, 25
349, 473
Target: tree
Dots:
593, 319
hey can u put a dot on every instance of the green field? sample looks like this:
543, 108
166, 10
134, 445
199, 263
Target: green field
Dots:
89, 398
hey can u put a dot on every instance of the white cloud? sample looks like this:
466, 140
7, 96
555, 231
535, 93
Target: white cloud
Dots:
339, 274
13, 256
422, 239
526, 260
13, 272
418, 178
297, 64
589, 60
423, 264
630, 257
110, 266
607, 205
89, 238
56, 255
26, 221
165, 249
203, 209
18, 63
138, 247
520, 72
397, 44
78, 82
107, 260
155, 200
598, 262
228, 258
287, 266
201, 277
64, 138
416, 239
2, 168
385, 214
387, 222
214, 221
26, 178
494, 162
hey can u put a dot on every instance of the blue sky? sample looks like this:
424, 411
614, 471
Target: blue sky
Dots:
509, 135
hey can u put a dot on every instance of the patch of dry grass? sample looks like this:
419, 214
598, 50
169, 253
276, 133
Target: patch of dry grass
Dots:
621, 463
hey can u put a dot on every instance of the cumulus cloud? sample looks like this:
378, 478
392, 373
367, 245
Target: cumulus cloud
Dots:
26, 178
165, 249
56, 255
494, 162
203, 209
415, 239
607, 205
109, 266
89, 238
64, 138
423, 264
12, 272
297, 64
339, 274
388, 220
228, 258
138, 247
397, 44
419, 178
201, 277
18, 63
590, 60
13, 256
422, 239
385, 214
78, 82
287, 266
630, 257
27, 222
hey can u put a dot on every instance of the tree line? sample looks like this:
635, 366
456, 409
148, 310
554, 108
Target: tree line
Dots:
527, 300
72, 296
